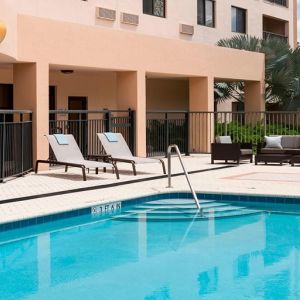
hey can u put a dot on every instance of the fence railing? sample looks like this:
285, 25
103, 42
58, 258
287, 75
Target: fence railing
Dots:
84, 124
195, 131
267, 35
15, 143
166, 128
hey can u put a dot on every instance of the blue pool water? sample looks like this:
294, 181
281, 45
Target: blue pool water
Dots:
156, 251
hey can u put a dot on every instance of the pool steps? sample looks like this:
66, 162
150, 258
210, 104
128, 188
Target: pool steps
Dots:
182, 210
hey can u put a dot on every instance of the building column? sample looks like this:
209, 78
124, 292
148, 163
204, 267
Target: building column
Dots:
31, 91
254, 102
254, 96
131, 93
201, 100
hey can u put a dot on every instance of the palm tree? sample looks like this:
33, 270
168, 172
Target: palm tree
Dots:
282, 71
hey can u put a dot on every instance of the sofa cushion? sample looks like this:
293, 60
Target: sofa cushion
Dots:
226, 139
246, 151
272, 151
290, 141
273, 142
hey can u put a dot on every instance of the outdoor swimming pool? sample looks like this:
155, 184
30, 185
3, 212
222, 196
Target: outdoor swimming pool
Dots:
156, 250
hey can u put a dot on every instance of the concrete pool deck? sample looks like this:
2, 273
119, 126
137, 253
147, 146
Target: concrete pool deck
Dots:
243, 179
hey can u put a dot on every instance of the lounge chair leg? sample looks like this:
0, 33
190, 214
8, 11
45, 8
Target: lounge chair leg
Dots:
83, 173
134, 169
251, 160
104, 170
115, 169
117, 172
36, 166
163, 166
66, 168
97, 171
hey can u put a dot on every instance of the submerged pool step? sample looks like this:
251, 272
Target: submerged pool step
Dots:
186, 217
175, 202
176, 211
179, 206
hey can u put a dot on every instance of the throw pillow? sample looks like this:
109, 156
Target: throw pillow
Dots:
226, 139
273, 142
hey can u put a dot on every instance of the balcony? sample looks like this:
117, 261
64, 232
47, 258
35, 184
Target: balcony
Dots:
268, 35
278, 2
275, 28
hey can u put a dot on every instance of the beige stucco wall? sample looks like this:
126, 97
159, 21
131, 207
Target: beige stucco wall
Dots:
167, 94
46, 40
178, 11
98, 87
6, 74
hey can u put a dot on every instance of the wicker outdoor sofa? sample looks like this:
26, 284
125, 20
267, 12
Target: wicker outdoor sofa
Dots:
288, 152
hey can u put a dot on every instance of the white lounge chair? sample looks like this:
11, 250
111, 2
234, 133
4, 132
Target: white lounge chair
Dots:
119, 151
68, 154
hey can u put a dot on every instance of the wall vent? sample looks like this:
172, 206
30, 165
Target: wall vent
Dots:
186, 29
129, 19
105, 13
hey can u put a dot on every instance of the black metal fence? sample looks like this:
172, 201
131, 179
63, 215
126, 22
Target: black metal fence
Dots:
166, 128
194, 132
15, 143
84, 124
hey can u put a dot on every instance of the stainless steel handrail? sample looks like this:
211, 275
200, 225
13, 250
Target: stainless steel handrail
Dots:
184, 170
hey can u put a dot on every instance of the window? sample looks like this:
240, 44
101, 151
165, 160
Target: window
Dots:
238, 20
155, 7
279, 2
206, 12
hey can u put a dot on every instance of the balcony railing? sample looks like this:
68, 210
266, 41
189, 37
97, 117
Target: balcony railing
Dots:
279, 2
15, 143
268, 35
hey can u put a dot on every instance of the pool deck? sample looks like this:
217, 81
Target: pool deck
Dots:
55, 191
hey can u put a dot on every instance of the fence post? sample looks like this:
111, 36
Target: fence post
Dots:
166, 123
22, 143
187, 133
3, 149
108, 121
131, 130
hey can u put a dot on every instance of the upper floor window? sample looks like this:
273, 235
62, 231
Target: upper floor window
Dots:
279, 2
206, 12
155, 8
238, 19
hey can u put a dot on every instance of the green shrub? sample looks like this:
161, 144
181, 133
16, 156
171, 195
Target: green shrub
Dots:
253, 132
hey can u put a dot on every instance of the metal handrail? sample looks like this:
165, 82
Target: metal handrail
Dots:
184, 170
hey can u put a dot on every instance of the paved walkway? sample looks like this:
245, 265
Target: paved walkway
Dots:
244, 179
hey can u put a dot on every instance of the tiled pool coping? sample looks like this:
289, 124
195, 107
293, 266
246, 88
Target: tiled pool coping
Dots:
151, 197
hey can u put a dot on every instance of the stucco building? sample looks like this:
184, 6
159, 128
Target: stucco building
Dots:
138, 54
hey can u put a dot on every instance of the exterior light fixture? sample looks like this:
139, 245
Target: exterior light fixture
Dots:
67, 71
2, 31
